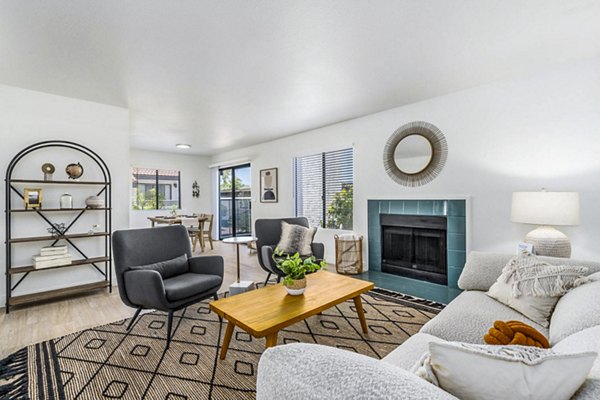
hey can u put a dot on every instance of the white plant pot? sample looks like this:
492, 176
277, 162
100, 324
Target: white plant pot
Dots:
297, 288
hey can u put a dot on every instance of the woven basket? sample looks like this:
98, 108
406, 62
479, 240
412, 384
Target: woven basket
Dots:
348, 255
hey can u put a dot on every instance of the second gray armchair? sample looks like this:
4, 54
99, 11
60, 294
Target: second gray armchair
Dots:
268, 233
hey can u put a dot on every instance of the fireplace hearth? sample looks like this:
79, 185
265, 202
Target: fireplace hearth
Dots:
414, 246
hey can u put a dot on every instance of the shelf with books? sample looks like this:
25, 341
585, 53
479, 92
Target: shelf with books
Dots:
63, 248
74, 263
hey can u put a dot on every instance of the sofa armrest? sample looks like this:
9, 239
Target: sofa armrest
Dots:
211, 265
308, 371
267, 256
145, 288
318, 250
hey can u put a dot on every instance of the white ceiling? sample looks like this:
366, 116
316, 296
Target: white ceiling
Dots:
224, 74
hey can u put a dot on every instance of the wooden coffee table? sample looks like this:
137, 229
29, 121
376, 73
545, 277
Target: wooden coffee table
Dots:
264, 312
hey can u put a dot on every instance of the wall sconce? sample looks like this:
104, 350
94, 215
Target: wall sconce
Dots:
195, 189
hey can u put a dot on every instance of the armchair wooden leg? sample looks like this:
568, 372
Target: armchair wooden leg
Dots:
278, 278
137, 312
169, 327
216, 296
267, 280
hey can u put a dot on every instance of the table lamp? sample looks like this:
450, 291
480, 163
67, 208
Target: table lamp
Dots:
545, 209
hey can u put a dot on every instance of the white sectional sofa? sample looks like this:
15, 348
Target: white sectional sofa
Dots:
305, 371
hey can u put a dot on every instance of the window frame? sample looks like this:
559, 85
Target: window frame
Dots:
324, 177
156, 181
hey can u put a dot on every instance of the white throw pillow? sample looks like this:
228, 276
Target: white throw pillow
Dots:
296, 239
533, 287
482, 372
577, 310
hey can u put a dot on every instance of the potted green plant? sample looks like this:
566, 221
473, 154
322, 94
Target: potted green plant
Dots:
296, 269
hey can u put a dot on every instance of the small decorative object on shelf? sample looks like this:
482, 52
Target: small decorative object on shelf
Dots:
66, 201
296, 270
195, 189
32, 198
95, 202
48, 169
74, 170
95, 228
57, 229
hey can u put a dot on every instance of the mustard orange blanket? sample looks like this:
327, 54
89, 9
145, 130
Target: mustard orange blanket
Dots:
515, 332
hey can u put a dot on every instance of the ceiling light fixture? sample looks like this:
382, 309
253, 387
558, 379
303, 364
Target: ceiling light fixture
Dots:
183, 146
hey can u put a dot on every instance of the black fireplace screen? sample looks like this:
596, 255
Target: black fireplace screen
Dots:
414, 246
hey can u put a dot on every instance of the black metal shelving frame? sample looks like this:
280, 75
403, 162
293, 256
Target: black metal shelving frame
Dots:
96, 262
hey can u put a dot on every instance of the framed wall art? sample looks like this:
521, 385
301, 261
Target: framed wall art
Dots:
268, 185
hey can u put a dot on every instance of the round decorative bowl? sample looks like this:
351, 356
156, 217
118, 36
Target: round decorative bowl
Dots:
297, 288
74, 170
95, 202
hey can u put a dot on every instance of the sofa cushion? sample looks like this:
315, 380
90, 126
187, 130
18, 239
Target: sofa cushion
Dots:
168, 268
488, 372
575, 311
303, 371
483, 269
189, 284
408, 353
586, 340
468, 317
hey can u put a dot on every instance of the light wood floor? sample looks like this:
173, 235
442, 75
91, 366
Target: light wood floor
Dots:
35, 323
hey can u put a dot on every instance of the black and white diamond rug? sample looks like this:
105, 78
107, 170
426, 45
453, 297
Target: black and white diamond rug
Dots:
107, 362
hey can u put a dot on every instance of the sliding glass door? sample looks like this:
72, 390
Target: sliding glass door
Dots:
234, 201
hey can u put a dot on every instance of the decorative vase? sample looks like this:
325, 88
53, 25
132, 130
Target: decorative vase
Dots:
94, 202
74, 171
66, 201
297, 288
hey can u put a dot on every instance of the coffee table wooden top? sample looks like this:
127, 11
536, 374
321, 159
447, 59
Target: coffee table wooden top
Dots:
267, 310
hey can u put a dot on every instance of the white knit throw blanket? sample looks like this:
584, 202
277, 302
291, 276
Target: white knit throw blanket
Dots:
533, 277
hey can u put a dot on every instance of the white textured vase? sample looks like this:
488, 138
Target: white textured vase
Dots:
548, 241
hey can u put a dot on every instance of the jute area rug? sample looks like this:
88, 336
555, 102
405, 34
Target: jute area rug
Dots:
107, 362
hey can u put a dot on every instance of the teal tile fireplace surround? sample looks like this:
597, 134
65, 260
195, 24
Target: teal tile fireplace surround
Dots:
455, 211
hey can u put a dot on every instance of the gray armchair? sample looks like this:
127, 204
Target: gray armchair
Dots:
152, 274
268, 233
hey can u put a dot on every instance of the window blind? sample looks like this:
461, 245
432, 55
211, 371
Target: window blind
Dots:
324, 188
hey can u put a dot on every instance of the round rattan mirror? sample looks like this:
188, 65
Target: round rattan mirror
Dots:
415, 154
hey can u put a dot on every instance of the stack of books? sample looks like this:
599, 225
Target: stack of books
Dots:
52, 256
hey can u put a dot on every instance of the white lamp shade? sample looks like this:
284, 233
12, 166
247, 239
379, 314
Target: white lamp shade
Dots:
545, 208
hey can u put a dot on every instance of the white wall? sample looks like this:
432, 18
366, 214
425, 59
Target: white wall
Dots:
518, 135
193, 168
27, 117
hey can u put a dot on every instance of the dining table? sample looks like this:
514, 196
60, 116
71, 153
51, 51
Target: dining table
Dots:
178, 219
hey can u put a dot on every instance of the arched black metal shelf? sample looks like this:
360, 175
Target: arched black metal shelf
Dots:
103, 263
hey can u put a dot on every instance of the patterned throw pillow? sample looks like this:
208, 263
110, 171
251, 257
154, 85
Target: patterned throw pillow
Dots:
533, 287
482, 372
296, 239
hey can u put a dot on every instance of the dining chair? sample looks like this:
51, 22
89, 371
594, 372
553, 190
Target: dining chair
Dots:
194, 227
208, 228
